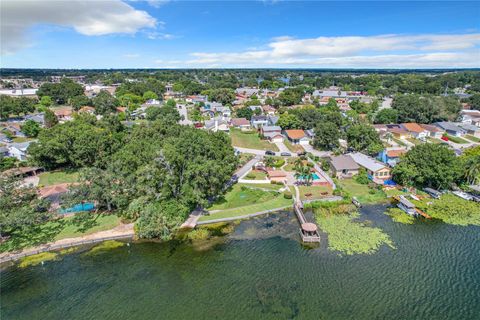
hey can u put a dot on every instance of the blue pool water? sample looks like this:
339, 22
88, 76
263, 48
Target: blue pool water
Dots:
315, 177
79, 207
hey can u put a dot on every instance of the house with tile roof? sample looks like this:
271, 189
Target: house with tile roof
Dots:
378, 172
297, 136
415, 130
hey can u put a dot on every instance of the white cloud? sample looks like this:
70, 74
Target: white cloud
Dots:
382, 51
131, 55
160, 36
91, 18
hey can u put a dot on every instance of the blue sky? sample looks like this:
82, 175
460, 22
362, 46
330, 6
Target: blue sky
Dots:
184, 34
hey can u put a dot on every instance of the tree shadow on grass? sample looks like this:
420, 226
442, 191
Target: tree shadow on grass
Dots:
33, 235
85, 221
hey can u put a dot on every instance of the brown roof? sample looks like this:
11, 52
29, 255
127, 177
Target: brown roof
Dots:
20, 171
395, 153
344, 162
413, 127
398, 130
295, 134
53, 190
86, 109
276, 173
63, 112
240, 122
430, 128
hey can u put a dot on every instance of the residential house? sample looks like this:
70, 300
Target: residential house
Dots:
216, 124
415, 130
241, 123
277, 175
4, 138
259, 121
152, 103
391, 156
246, 91
19, 150
87, 109
343, 166
272, 133
433, 131
54, 194
196, 99
377, 171
14, 128
451, 128
269, 110
3, 152
399, 133
64, 114
471, 117
310, 133
297, 136
470, 129
37, 117
272, 120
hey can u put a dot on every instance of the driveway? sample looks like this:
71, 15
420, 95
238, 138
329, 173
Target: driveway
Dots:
282, 147
246, 167
261, 152
182, 109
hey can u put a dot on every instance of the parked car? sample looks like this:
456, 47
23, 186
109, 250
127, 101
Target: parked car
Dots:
301, 153
269, 153
286, 154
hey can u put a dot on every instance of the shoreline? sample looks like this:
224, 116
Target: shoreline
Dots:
122, 231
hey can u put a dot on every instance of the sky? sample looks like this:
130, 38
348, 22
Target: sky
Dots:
239, 34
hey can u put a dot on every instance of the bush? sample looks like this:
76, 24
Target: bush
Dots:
287, 195
362, 176
250, 176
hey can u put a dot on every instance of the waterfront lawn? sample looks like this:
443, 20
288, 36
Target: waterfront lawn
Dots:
68, 227
314, 192
265, 186
56, 177
293, 147
456, 139
241, 195
472, 138
277, 202
250, 140
361, 191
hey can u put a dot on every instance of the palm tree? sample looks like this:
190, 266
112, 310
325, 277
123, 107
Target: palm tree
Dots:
472, 172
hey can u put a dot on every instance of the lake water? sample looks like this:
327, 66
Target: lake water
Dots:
260, 271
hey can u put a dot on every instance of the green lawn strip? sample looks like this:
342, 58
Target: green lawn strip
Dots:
456, 139
56, 177
414, 141
21, 139
362, 192
399, 142
472, 138
278, 202
240, 195
345, 234
293, 147
435, 140
59, 229
315, 191
267, 186
250, 140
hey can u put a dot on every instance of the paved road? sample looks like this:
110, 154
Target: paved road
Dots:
246, 167
260, 152
322, 154
182, 109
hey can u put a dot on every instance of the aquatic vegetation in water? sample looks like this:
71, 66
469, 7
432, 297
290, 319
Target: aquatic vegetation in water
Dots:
199, 234
452, 209
278, 300
400, 216
37, 259
347, 235
106, 245
69, 250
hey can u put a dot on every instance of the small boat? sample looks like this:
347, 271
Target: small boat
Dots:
414, 197
356, 202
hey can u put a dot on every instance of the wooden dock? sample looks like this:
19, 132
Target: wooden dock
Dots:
308, 230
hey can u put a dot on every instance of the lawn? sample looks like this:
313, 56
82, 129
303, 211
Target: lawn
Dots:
399, 142
293, 147
250, 140
245, 199
314, 192
290, 164
56, 177
256, 175
21, 139
361, 191
472, 138
414, 141
456, 139
67, 227
435, 140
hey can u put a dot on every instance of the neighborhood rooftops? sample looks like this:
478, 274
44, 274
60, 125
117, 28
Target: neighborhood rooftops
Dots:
237, 122
449, 126
413, 127
271, 128
344, 162
295, 134
395, 153
367, 162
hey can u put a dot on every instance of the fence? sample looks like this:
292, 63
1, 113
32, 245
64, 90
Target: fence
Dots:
61, 246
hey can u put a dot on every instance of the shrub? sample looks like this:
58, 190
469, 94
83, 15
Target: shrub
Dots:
250, 176
287, 195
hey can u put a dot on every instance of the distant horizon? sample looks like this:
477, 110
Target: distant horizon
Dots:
151, 34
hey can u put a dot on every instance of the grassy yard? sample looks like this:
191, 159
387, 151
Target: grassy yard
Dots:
472, 138
21, 139
435, 140
56, 177
361, 191
314, 192
290, 164
400, 142
250, 140
293, 147
414, 141
67, 227
245, 199
267, 186
256, 175
456, 139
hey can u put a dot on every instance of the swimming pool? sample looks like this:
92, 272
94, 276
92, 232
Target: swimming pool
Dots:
78, 208
315, 176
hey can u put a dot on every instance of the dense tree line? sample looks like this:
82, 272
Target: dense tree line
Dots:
426, 109
15, 106
61, 92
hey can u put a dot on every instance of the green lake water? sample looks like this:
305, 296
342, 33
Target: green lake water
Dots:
260, 271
